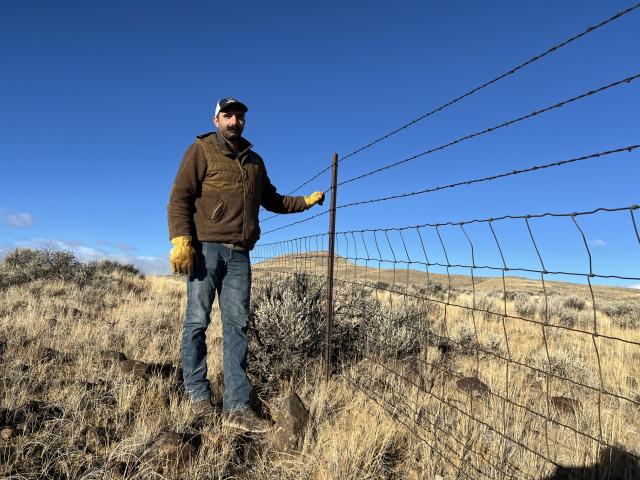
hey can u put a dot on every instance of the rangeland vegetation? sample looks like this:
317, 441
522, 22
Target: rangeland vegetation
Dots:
431, 374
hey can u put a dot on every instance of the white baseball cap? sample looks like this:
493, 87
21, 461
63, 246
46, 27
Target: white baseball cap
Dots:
227, 101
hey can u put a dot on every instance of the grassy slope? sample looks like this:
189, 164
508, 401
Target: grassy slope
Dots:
349, 436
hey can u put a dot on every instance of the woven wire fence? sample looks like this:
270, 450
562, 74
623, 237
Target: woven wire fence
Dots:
506, 359
499, 374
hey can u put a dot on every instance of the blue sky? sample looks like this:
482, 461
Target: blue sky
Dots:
100, 101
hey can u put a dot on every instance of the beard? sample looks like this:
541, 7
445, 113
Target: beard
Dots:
231, 133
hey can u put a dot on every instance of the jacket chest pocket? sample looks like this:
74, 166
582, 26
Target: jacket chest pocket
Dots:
224, 180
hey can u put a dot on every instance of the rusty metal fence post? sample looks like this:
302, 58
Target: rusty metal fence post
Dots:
332, 234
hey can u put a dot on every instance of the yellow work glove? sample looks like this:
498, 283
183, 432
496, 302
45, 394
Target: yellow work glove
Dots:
315, 197
182, 257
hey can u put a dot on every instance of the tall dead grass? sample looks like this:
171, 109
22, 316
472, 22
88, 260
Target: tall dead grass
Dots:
85, 417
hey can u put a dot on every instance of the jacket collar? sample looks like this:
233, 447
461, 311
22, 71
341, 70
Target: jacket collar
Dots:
216, 140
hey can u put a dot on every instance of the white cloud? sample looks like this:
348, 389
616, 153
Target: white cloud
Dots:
121, 246
597, 243
19, 220
635, 285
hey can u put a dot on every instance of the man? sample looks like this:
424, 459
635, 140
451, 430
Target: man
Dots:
213, 224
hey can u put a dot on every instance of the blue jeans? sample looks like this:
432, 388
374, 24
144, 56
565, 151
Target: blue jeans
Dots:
228, 272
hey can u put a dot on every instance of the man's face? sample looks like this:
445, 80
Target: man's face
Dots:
230, 123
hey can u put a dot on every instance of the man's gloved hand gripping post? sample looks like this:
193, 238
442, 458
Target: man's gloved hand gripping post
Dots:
213, 224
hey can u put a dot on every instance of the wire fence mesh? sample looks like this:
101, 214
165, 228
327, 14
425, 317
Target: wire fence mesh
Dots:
498, 343
502, 369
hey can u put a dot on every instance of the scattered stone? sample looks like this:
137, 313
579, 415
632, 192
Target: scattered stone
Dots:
47, 354
291, 420
107, 357
565, 404
52, 322
171, 450
7, 433
473, 385
135, 367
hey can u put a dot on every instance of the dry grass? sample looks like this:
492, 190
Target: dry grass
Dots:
53, 332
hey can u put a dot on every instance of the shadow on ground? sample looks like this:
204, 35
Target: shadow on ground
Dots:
614, 464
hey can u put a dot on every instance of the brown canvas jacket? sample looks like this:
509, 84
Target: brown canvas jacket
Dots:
217, 194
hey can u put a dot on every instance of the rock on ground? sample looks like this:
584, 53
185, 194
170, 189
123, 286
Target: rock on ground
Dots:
171, 450
291, 420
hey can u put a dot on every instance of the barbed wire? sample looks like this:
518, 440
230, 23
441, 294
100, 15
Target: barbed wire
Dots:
507, 123
533, 59
324, 212
629, 148
626, 80
631, 208
474, 90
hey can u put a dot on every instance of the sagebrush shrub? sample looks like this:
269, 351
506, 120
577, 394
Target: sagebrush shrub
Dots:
525, 306
567, 364
287, 319
575, 303
397, 331
108, 267
488, 307
26, 266
431, 290
561, 311
289, 322
623, 313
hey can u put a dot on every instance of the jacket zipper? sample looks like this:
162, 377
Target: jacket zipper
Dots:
244, 199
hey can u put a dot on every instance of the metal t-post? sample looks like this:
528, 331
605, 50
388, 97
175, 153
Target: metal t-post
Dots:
332, 235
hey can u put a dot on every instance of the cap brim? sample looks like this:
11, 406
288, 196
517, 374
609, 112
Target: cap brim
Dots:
239, 105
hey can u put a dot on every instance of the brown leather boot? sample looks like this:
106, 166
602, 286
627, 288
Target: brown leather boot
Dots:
203, 408
246, 420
